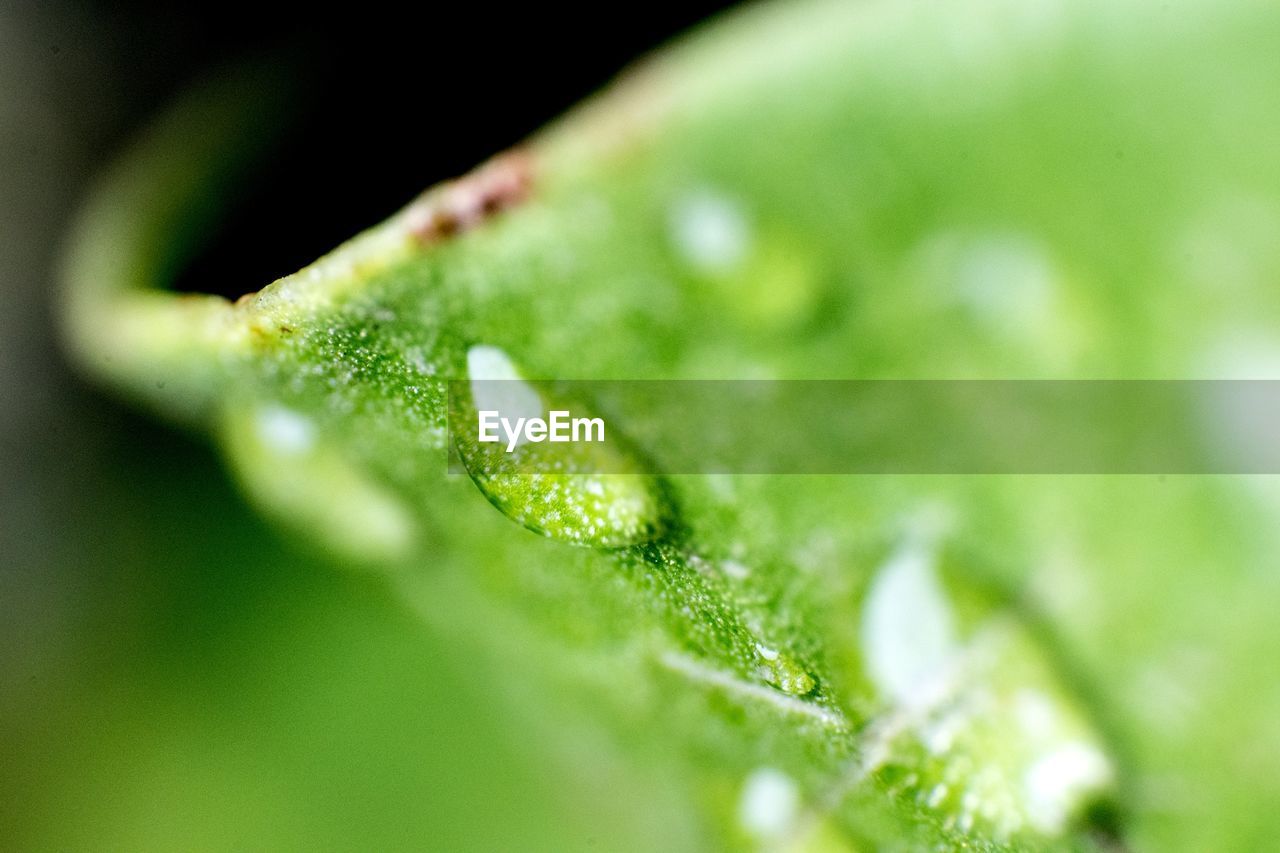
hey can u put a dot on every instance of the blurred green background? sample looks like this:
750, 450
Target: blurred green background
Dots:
173, 675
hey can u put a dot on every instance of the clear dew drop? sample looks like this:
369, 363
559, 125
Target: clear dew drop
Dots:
907, 625
586, 493
710, 231
496, 385
788, 676
769, 805
993, 739
285, 431
284, 464
1056, 781
782, 672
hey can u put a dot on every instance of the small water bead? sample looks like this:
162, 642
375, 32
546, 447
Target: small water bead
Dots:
993, 739
770, 804
765, 278
496, 385
1056, 782
283, 462
788, 676
284, 430
782, 672
710, 231
587, 493
907, 625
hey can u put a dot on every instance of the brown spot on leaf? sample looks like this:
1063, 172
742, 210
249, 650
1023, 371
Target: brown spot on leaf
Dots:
458, 206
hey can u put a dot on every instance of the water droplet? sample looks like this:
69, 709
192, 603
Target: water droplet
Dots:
284, 463
770, 803
710, 232
1056, 782
1007, 280
936, 795
907, 625
284, 430
584, 492
976, 711
784, 673
497, 385
764, 278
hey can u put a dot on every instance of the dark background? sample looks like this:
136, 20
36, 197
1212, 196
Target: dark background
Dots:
392, 98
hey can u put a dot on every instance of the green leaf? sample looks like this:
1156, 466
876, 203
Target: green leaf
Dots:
807, 191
